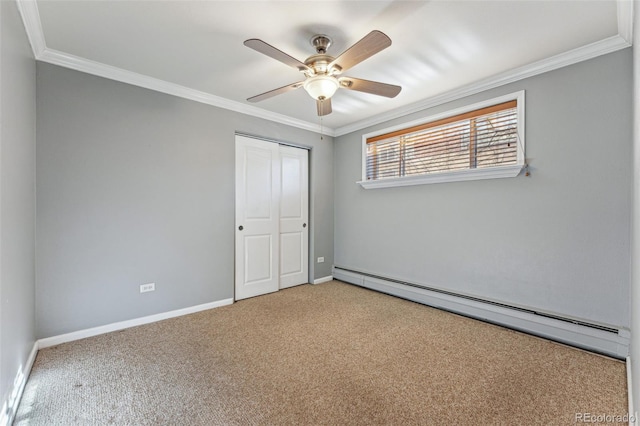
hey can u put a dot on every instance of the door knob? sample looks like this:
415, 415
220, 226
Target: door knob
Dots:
240, 227
304, 225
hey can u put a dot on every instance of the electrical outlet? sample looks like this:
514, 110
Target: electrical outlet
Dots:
147, 287
321, 260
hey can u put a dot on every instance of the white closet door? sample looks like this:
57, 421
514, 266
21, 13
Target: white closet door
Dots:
294, 216
257, 217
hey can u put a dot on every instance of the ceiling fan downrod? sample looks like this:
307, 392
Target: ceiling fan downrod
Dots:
321, 43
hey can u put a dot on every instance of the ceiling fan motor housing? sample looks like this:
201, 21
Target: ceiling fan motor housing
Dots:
319, 65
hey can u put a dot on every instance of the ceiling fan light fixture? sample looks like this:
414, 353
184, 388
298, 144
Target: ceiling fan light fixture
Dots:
321, 87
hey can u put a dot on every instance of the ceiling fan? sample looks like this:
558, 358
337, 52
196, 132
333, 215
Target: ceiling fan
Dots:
323, 72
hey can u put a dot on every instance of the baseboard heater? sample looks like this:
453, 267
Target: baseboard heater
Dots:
598, 338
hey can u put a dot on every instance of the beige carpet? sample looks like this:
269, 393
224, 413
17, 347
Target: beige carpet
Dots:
330, 354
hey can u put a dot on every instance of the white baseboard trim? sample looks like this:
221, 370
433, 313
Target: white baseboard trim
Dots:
10, 406
323, 280
582, 336
82, 334
633, 416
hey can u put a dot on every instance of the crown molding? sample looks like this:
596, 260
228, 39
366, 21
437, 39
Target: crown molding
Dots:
620, 41
625, 20
118, 74
31, 18
571, 57
33, 26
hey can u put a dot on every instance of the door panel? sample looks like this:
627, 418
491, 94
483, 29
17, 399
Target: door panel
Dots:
294, 217
258, 254
291, 243
257, 217
258, 184
291, 203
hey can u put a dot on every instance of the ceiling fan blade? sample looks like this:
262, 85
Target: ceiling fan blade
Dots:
367, 86
368, 46
324, 107
279, 55
274, 92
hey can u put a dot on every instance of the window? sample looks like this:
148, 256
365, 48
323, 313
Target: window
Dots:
481, 141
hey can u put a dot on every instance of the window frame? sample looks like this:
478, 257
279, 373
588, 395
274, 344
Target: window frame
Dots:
505, 171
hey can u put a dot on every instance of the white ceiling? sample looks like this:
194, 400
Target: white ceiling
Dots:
441, 49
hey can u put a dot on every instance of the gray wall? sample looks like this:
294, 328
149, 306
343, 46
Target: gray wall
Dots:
17, 197
558, 241
135, 186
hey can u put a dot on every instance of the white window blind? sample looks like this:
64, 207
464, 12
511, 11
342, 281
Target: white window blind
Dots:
479, 139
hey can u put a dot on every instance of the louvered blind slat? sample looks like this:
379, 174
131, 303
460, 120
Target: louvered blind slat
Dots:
483, 138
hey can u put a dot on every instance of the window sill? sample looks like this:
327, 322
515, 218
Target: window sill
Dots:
455, 176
